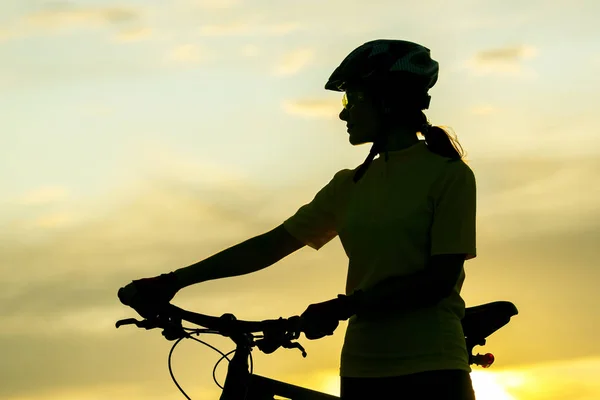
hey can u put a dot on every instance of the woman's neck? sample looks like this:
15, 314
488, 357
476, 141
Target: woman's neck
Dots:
400, 139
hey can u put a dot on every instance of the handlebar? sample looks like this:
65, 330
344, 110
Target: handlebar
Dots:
276, 332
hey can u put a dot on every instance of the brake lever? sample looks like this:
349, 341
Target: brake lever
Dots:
295, 345
146, 324
275, 338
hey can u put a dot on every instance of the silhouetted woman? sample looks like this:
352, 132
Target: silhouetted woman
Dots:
406, 220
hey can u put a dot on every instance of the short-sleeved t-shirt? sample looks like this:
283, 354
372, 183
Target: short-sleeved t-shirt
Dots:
402, 211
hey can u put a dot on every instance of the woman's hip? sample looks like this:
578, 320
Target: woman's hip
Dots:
439, 385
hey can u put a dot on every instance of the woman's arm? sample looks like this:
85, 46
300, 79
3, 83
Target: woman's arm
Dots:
423, 289
249, 256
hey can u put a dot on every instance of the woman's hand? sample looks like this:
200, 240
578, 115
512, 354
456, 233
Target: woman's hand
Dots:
148, 295
322, 319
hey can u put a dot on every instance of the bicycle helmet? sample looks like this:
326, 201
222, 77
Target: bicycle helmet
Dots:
385, 66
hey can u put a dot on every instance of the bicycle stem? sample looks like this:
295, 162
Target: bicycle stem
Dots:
238, 376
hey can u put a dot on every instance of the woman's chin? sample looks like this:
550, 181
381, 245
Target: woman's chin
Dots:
355, 141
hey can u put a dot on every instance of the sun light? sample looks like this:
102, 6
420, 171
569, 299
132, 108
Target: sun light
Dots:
487, 387
331, 385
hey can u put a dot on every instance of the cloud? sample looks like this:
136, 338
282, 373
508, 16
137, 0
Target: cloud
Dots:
44, 195
294, 61
65, 15
133, 34
281, 28
41, 224
231, 29
6, 34
97, 110
506, 54
168, 165
181, 207
529, 206
250, 50
248, 28
311, 108
483, 110
102, 392
186, 54
503, 61
54, 220
215, 4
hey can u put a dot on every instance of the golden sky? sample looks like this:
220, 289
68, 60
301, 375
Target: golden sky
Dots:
141, 136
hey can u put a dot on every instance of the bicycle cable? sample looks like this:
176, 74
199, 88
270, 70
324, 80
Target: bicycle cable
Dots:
223, 356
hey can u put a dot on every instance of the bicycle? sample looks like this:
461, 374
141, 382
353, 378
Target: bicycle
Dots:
242, 384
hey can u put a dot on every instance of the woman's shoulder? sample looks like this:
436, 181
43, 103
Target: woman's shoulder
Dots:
449, 166
344, 174
451, 173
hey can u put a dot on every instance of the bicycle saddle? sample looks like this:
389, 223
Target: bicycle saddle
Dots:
483, 320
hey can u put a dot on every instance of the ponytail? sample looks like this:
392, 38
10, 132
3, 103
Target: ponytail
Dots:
440, 141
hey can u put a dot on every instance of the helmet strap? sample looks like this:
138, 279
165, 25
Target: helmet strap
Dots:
378, 144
